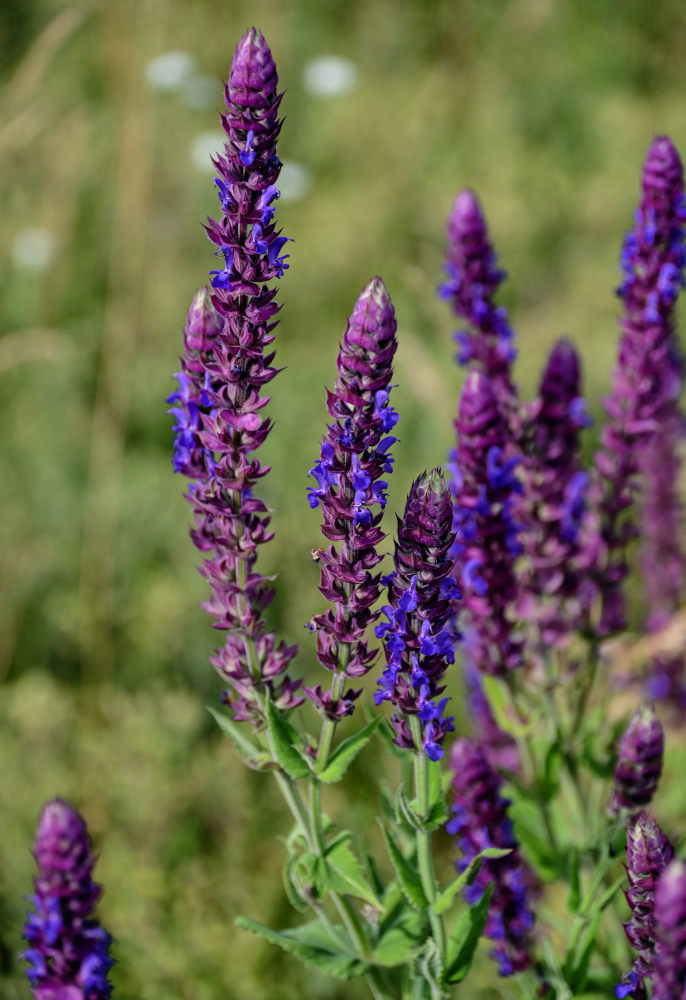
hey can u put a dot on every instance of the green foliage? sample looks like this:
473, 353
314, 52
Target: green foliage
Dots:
345, 754
313, 946
465, 938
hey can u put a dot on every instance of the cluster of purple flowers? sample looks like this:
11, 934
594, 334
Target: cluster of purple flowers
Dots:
355, 454
68, 951
228, 359
480, 820
422, 595
647, 379
639, 763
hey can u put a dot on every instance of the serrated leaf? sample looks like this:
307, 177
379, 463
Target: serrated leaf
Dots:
345, 754
282, 739
447, 897
232, 730
408, 878
312, 945
465, 938
400, 942
405, 812
345, 871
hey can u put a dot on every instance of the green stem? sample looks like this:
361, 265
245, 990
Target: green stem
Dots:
424, 856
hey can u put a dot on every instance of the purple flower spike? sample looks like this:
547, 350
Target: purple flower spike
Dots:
639, 764
480, 820
422, 596
190, 400
648, 852
647, 379
351, 493
670, 934
68, 951
473, 280
553, 503
661, 554
484, 490
228, 361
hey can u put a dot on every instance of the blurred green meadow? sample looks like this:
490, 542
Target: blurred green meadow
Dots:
545, 107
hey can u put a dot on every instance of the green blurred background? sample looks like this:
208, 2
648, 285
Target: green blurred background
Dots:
546, 107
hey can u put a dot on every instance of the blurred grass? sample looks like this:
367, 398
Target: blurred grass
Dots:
545, 107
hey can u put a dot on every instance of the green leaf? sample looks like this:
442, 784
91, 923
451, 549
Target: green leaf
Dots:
465, 938
345, 754
550, 779
345, 872
438, 811
447, 897
283, 739
400, 938
297, 901
496, 692
578, 967
607, 896
233, 732
574, 896
408, 876
405, 812
312, 945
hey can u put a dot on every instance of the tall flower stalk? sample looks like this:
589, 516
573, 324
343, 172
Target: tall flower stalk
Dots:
553, 501
228, 361
350, 490
485, 488
473, 281
68, 951
662, 555
648, 852
646, 380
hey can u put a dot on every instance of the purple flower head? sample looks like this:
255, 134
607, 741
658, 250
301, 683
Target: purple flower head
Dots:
480, 820
350, 491
669, 974
68, 951
422, 596
648, 852
639, 764
553, 503
647, 379
662, 557
487, 535
221, 424
473, 280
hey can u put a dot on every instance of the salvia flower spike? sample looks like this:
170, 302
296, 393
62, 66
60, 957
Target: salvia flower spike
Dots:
68, 951
421, 601
669, 976
648, 852
639, 764
473, 280
553, 502
351, 492
485, 487
646, 380
480, 820
662, 556
228, 361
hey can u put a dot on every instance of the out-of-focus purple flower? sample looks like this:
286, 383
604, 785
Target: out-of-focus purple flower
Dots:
485, 488
669, 975
473, 280
355, 454
553, 502
68, 951
228, 360
647, 379
480, 820
639, 764
422, 596
661, 554
648, 852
